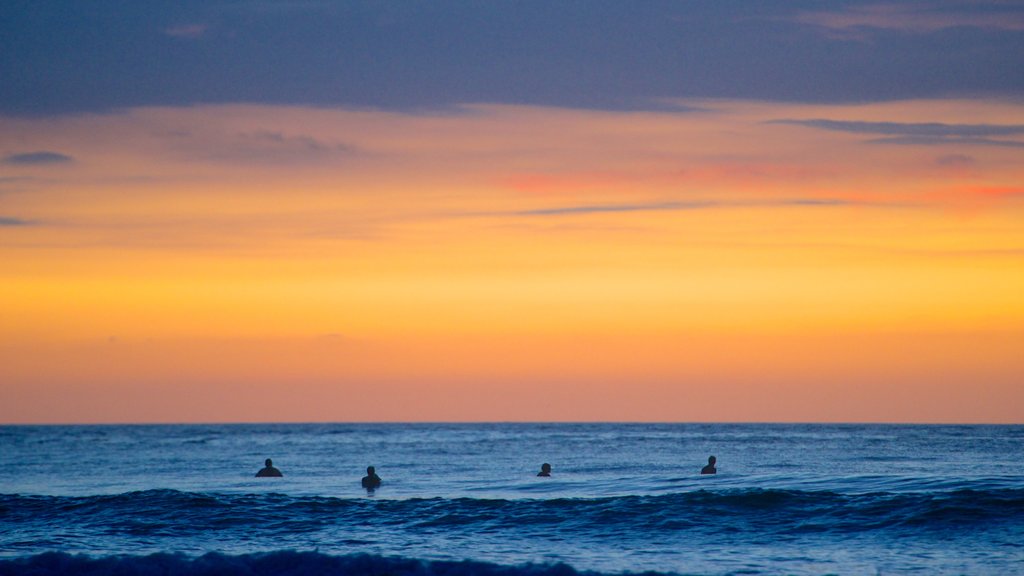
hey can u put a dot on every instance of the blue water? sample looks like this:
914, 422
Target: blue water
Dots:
465, 499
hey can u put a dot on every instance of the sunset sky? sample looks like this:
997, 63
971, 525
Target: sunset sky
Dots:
512, 211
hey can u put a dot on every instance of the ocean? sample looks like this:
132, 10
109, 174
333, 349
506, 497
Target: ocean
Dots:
465, 499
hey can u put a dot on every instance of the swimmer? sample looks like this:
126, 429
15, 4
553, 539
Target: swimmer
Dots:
545, 470
269, 471
371, 480
710, 468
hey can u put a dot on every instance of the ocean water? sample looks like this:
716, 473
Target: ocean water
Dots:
465, 499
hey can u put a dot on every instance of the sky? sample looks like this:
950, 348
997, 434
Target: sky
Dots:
231, 211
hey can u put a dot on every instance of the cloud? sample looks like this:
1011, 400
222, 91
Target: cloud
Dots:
313, 59
259, 146
919, 17
6, 221
805, 202
584, 209
934, 129
187, 31
39, 158
293, 6
996, 191
922, 133
937, 140
283, 141
955, 160
604, 208
273, 146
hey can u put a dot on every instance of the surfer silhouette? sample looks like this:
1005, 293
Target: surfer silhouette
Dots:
710, 468
545, 470
268, 471
371, 480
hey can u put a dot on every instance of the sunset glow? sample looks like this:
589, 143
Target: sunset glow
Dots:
732, 262
715, 259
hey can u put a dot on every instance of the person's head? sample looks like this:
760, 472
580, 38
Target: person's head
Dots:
711, 460
370, 470
545, 467
268, 462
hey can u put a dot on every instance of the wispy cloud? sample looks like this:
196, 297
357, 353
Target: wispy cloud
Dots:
584, 209
38, 158
295, 6
7, 221
187, 31
282, 140
604, 208
938, 140
997, 191
935, 129
259, 146
919, 16
922, 133
275, 146
956, 160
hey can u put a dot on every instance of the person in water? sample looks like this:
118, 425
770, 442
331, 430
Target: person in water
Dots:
710, 468
545, 470
371, 480
269, 471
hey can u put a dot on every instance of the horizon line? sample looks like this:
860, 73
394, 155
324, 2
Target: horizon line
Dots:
524, 423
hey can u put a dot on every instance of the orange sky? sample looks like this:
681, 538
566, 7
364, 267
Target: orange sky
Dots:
733, 261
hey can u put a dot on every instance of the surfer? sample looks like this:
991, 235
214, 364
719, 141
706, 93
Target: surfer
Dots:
371, 480
545, 470
710, 468
268, 471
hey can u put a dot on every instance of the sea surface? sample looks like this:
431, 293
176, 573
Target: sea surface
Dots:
465, 499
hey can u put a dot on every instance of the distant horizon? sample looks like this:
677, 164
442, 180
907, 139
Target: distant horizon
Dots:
518, 422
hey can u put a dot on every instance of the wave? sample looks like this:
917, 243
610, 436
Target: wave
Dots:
170, 512
737, 531
270, 563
